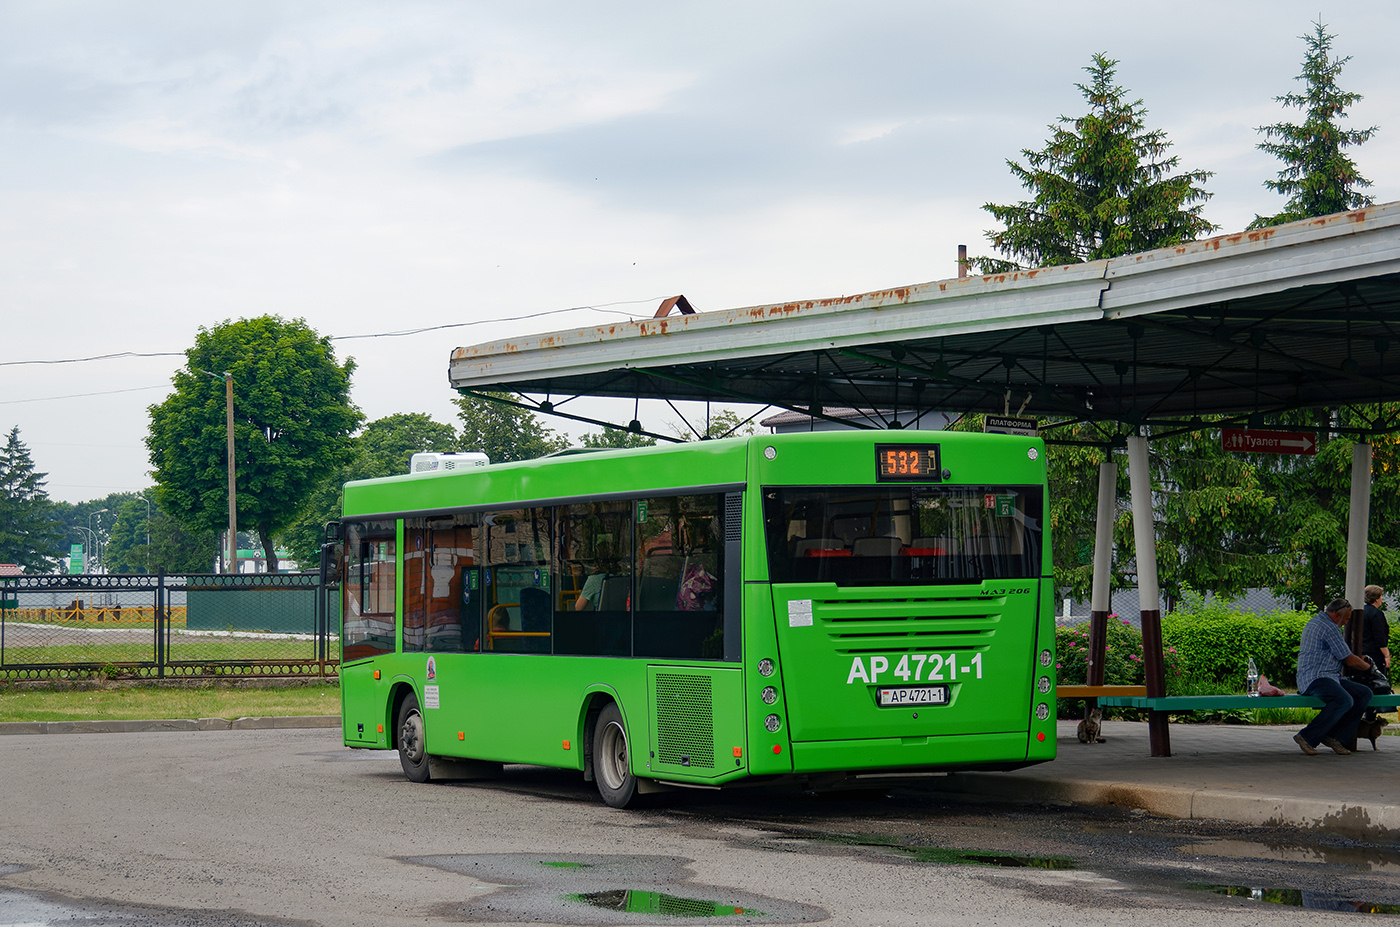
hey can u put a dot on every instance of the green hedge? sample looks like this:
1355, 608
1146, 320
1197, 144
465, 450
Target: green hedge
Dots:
1216, 643
1202, 642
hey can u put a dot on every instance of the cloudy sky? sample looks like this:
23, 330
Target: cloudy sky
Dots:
380, 167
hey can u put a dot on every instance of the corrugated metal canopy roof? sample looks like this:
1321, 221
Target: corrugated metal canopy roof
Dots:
1296, 316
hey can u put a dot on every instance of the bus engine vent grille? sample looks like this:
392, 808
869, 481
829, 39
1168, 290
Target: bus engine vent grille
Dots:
733, 516
685, 728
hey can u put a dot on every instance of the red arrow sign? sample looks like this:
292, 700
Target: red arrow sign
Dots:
1249, 441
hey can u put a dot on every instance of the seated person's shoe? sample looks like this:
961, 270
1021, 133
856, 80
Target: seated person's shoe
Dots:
1306, 747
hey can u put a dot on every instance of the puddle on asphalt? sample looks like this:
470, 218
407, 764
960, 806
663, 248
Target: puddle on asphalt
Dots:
949, 856
1366, 858
603, 889
635, 901
1299, 898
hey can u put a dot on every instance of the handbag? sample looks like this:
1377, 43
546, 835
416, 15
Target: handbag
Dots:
1372, 677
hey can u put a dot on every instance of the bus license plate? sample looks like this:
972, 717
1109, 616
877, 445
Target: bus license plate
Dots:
913, 695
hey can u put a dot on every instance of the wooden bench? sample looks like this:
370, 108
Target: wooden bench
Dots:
1100, 691
1176, 704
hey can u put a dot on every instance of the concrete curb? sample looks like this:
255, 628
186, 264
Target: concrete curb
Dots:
1368, 821
174, 724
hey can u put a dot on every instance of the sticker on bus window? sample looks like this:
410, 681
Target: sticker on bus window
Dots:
430, 697
800, 613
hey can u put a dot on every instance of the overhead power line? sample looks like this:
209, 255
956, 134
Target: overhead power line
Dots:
601, 307
106, 392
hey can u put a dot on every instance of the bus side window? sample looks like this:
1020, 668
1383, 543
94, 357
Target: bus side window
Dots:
439, 562
679, 565
592, 609
367, 610
516, 580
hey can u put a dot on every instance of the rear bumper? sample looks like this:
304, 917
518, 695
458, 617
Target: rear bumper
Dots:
890, 754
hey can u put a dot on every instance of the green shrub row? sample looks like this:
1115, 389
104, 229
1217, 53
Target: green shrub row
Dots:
1204, 645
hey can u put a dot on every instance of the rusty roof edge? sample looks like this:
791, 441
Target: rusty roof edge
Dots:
954, 291
755, 341
1290, 261
1356, 222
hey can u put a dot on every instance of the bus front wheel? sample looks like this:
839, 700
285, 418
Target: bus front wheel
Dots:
611, 767
413, 754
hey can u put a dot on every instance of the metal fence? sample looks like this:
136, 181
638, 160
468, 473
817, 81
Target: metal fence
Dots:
256, 624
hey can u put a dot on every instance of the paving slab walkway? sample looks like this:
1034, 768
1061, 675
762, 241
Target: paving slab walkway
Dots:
1252, 775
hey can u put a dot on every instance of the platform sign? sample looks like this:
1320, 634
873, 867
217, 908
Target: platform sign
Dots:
1009, 425
1250, 441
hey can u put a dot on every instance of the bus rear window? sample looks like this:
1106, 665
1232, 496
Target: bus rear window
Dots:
883, 535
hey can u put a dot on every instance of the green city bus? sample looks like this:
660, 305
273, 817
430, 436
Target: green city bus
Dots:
825, 608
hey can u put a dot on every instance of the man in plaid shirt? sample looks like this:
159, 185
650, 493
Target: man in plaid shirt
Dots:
1321, 654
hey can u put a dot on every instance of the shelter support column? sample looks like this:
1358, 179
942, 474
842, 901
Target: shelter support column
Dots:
1358, 537
1100, 597
1145, 552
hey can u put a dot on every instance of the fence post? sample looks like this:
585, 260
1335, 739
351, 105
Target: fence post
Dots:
160, 623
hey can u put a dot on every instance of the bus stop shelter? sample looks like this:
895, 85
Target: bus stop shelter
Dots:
1244, 326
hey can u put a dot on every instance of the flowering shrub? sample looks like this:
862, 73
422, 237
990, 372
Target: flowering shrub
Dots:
1123, 657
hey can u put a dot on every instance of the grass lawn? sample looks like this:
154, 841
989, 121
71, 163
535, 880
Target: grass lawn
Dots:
134, 703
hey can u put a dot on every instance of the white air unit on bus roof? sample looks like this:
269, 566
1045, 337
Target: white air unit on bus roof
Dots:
434, 462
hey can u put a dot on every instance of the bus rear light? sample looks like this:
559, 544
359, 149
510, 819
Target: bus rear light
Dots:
1043, 685
765, 667
1042, 711
770, 695
1040, 737
777, 748
1045, 658
772, 723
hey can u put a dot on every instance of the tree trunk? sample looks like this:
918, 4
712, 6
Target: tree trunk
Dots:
1318, 589
270, 552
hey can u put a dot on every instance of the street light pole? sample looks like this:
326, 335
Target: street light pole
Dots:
88, 538
93, 533
148, 533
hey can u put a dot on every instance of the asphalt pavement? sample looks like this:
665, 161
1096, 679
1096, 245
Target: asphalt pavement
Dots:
1253, 775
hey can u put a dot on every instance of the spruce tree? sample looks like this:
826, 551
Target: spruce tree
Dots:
28, 534
1103, 186
1318, 177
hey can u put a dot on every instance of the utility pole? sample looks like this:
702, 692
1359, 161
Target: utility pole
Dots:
232, 487
231, 564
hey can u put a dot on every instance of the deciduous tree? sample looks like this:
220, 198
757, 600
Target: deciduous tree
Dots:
292, 424
504, 432
382, 449
616, 437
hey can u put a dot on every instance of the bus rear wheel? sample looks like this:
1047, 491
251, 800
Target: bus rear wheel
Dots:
611, 767
413, 753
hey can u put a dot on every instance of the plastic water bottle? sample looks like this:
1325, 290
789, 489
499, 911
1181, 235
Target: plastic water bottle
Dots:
1252, 680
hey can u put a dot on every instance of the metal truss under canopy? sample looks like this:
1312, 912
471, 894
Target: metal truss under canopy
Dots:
1299, 316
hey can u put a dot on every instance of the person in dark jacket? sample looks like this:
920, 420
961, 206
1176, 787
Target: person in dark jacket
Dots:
1375, 637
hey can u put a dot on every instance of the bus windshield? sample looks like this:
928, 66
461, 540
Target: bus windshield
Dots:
914, 535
